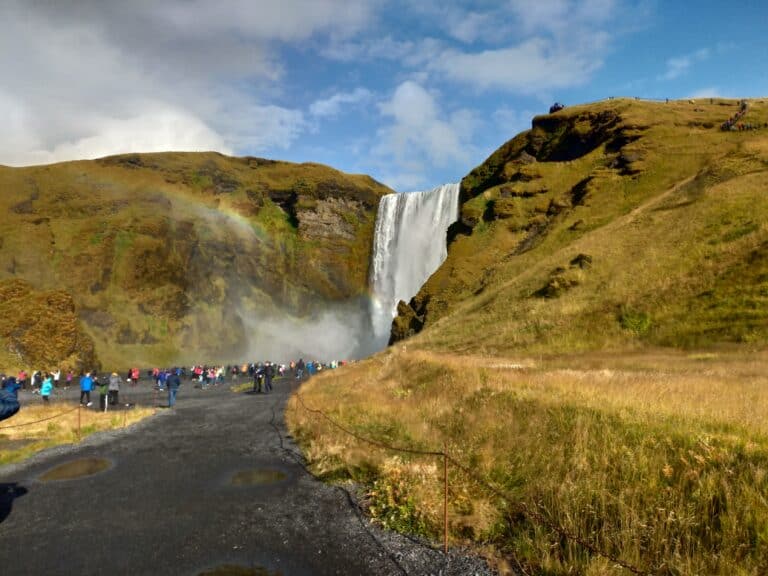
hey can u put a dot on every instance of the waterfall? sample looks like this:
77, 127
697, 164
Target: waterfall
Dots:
409, 244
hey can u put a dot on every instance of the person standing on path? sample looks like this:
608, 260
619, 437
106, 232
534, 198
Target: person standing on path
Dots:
86, 385
34, 380
103, 386
162, 378
257, 377
22, 379
173, 384
114, 388
269, 373
46, 388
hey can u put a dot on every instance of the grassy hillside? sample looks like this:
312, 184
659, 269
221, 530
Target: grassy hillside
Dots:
618, 224
593, 351
166, 255
655, 459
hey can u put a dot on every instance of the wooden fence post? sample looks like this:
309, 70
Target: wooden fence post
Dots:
445, 500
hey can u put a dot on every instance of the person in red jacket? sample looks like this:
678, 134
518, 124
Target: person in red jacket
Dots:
22, 379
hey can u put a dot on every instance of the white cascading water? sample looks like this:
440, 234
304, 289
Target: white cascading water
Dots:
409, 244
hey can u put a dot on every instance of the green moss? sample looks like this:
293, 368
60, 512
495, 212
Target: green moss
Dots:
740, 231
123, 241
635, 321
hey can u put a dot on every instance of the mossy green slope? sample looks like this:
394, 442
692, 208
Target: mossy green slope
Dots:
161, 251
619, 224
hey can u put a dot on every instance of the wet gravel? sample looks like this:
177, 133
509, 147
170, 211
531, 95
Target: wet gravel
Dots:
169, 505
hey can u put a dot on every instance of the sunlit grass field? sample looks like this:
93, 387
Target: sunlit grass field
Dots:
21, 436
656, 458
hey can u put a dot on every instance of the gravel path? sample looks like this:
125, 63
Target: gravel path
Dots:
168, 504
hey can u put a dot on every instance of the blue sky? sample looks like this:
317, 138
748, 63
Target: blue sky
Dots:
414, 93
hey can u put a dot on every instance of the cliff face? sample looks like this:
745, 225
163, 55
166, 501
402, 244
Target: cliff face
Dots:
621, 223
40, 328
167, 256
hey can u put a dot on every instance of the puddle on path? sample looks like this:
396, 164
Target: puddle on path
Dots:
235, 570
257, 477
76, 469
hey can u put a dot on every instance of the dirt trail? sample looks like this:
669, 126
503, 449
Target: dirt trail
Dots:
213, 482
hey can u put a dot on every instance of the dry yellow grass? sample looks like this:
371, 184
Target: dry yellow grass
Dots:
658, 458
35, 428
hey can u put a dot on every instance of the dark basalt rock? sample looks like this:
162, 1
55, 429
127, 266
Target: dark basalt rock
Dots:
406, 323
582, 261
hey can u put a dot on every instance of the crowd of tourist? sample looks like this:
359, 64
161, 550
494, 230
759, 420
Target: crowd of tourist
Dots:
734, 123
45, 384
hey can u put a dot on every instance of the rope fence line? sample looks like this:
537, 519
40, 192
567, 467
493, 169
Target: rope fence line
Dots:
521, 506
41, 420
77, 408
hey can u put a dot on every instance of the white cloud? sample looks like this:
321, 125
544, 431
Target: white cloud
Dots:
679, 65
286, 20
470, 26
93, 78
409, 53
530, 67
515, 46
420, 135
329, 107
561, 16
154, 130
558, 44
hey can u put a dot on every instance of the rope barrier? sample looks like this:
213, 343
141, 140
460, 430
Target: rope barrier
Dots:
368, 440
521, 506
38, 421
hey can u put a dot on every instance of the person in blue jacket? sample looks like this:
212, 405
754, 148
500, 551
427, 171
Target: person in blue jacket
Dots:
9, 404
86, 385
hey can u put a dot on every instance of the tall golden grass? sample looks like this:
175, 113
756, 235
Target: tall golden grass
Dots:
23, 436
657, 459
